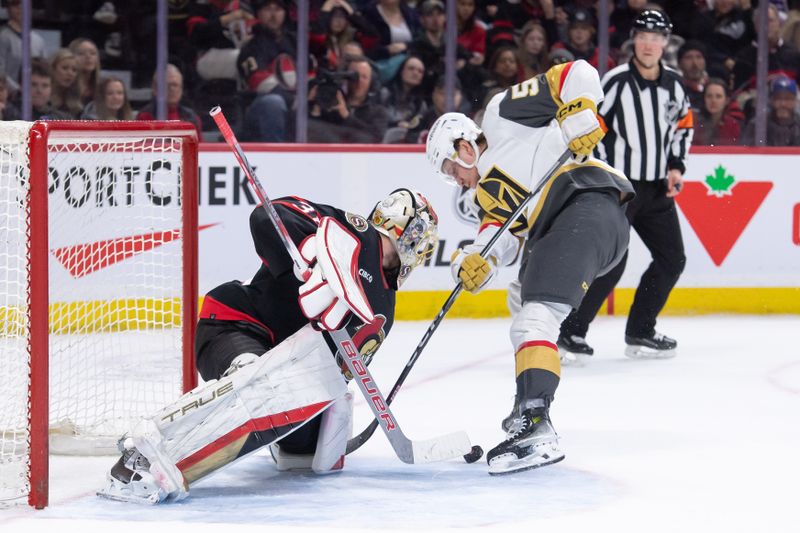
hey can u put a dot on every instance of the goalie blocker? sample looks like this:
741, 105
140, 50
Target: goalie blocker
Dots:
271, 375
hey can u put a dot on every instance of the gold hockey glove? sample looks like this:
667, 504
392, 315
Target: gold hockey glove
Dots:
582, 130
472, 270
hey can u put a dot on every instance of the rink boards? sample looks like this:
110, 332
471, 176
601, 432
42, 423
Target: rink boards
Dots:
739, 214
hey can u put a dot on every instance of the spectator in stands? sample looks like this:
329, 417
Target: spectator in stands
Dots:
791, 28
580, 38
266, 63
730, 30
396, 24
175, 109
356, 118
718, 121
692, 63
66, 95
419, 134
783, 57
41, 91
338, 24
429, 46
783, 123
501, 33
8, 111
503, 72
533, 51
350, 51
405, 100
521, 11
217, 30
88, 59
621, 22
11, 45
471, 31
110, 103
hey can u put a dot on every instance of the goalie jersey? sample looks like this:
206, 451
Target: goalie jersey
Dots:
524, 140
266, 307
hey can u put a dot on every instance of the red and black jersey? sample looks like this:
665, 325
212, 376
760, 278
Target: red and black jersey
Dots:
268, 303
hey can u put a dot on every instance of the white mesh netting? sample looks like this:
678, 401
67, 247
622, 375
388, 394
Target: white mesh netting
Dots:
14, 323
115, 287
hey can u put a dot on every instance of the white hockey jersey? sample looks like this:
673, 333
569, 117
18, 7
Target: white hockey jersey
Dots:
523, 142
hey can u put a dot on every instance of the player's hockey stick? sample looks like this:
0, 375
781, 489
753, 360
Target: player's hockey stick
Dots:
357, 441
409, 451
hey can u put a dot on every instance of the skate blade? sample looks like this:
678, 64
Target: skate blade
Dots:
642, 352
521, 465
127, 497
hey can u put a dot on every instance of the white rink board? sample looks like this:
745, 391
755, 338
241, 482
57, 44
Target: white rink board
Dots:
99, 199
767, 253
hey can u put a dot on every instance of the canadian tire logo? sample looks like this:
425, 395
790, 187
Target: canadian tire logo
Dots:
720, 208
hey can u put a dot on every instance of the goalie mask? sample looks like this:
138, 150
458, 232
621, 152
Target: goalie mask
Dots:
408, 220
442, 137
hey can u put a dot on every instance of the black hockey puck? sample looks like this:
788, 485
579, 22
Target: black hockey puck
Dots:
474, 454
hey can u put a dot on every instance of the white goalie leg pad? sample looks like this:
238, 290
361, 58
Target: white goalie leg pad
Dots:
334, 431
336, 426
290, 462
206, 429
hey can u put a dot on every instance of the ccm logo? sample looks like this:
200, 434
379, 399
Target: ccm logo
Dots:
366, 380
364, 274
566, 110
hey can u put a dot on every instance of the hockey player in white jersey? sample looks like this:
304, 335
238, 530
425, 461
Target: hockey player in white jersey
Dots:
575, 231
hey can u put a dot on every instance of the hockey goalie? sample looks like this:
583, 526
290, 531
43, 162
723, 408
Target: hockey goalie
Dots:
271, 376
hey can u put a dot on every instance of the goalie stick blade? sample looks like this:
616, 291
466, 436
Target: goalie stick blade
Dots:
441, 448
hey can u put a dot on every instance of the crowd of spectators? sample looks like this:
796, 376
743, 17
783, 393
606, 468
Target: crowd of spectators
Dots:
376, 67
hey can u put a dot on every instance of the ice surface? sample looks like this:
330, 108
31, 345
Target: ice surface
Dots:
708, 441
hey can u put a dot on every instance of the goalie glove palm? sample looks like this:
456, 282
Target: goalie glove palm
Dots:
472, 270
579, 124
333, 290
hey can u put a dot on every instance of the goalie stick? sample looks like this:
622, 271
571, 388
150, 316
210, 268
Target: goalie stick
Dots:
357, 441
409, 451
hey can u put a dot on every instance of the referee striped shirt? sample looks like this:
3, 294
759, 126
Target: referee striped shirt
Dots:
648, 122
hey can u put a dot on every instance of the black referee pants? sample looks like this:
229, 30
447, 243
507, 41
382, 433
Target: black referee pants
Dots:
654, 217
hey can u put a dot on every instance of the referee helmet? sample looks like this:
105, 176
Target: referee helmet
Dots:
652, 21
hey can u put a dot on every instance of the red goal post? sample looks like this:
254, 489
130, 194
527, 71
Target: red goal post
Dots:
98, 300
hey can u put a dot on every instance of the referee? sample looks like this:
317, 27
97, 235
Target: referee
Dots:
649, 129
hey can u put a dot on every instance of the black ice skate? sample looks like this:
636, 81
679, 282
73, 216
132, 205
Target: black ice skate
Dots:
573, 350
534, 444
655, 346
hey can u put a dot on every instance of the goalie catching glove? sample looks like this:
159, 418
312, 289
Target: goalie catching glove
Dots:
333, 290
471, 269
582, 130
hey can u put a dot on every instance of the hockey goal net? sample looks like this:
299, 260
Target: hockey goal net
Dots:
98, 276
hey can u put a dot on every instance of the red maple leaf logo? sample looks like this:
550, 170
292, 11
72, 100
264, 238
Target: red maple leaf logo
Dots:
719, 209
83, 259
